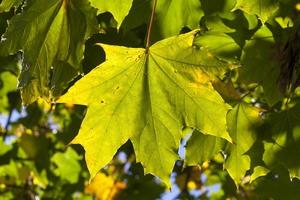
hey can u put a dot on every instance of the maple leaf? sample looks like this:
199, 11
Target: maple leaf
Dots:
201, 148
264, 9
242, 122
69, 172
118, 8
6, 5
51, 34
259, 61
284, 149
105, 187
170, 16
148, 97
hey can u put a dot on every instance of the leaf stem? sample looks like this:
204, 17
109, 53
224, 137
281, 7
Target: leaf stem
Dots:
150, 26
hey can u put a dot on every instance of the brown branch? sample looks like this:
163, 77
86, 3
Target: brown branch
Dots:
150, 26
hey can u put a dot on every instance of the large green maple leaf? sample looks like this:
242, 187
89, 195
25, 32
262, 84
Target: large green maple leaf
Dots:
51, 34
148, 97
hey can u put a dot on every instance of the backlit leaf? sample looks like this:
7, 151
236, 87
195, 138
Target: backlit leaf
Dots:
148, 97
170, 16
286, 135
118, 8
242, 121
4, 147
67, 164
6, 5
258, 171
264, 9
173, 15
260, 64
48, 32
105, 187
8, 83
201, 148
277, 185
220, 44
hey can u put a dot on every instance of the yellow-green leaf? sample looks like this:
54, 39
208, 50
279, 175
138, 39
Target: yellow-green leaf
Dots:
173, 15
201, 148
242, 121
67, 165
284, 149
261, 65
264, 9
118, 8
258, 171
148, 97
48, 32
6, 5
170, 16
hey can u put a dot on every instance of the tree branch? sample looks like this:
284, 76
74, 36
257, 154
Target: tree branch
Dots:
150, 26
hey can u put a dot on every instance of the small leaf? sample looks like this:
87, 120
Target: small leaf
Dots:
258, 171
4, 148
227, 90
261, 65
105, 187
68, 167
201, 148
8, 83
6, 5
286, 135
173, 15
264, 9
277, 185
170, 16
242, 121
118, 8
221, 44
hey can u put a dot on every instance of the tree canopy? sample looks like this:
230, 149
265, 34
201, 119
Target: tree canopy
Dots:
149, 99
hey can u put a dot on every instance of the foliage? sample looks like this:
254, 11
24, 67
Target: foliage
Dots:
198, 96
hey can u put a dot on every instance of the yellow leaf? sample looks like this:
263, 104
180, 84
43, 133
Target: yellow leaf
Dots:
105, 187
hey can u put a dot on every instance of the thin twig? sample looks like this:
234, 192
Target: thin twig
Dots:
150, 26
248, 92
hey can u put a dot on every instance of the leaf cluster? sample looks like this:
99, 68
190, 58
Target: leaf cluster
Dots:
217, 80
